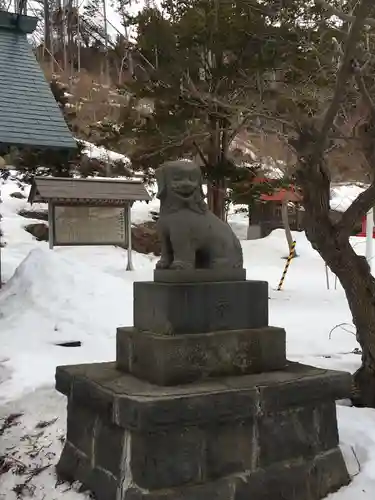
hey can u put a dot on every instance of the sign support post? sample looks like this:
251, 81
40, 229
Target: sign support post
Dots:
51, 224
129, 266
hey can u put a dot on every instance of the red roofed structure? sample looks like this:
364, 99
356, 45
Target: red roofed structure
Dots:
280, 195
267, 212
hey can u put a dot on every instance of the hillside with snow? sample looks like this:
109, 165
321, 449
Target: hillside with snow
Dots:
83, 294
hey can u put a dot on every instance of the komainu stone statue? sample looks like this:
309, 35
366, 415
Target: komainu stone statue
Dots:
192, 237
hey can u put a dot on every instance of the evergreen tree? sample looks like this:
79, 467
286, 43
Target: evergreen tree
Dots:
58, 163
206, 64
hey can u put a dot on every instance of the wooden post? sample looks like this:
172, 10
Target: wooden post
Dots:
51, 225
129, 266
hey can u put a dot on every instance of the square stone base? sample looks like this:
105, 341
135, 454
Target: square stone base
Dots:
186, 308
199, 275
266, 437
180, 359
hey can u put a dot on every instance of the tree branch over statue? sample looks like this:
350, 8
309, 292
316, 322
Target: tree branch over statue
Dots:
345, 69
312, 136
329, 239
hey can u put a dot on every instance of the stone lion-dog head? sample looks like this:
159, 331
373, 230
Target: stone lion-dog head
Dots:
180, 186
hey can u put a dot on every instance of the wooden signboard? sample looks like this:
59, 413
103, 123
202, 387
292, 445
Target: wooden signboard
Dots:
88, 225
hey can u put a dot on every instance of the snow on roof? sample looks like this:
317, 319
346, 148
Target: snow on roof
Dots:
101, 153
98, 191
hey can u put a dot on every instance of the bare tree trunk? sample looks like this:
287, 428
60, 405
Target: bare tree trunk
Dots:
330, 239
64, 31
78, 38
70, 22
47, 31
353, 273
332, 242
216, 190
216, 199
107, 79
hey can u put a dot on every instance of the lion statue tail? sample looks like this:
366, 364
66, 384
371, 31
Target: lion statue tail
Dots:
238, 261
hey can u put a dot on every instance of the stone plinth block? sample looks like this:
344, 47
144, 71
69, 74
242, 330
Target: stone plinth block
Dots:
199, 275
179, 359
183, 308
266, 437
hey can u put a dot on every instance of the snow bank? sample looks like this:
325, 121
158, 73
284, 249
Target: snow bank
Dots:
53, 298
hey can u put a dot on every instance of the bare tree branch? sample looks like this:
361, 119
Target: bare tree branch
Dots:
360, 206
207, 99
174, 143
345, 69
358, 75
253, 115
200, 153
342, 15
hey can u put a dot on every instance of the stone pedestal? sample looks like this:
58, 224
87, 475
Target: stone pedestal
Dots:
261, 437
179, 359
180, 308
201, 403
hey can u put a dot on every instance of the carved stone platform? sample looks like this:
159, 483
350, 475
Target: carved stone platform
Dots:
181, 308
266, 437
199, 275
179, 359
226, 432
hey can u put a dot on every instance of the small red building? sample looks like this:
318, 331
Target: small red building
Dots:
363, 231
267, 212
282, 195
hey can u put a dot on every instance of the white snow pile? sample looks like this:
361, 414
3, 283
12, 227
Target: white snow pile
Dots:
82, 294
82, 305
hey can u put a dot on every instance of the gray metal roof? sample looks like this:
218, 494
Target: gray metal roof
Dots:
95, 191
29, 113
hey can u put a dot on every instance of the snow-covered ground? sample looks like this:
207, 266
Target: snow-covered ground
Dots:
85, 293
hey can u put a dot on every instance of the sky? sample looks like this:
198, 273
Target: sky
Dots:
114, 25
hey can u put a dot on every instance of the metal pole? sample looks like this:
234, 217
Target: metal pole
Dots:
327, 277
129, 266
369, 235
